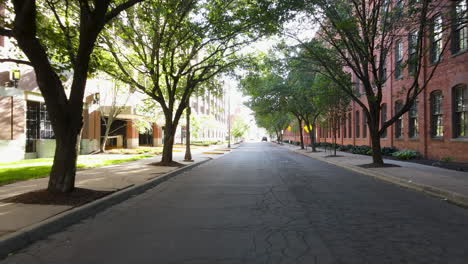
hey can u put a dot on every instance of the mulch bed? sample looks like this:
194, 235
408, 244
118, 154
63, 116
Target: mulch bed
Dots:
77, 197
371, 165
333, 156
170, 164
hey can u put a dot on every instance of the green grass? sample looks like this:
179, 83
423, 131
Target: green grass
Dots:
21, 173
28, 161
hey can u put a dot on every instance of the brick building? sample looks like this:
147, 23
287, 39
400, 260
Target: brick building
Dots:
437, 124
26, 130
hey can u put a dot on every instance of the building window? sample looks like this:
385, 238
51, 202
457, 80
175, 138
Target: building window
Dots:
399, 121
349, 126
337, 124
413, 52
45, 129
344, 126
38, 125
357, 84
358, 125
399, 60
460, 115
437, 126
383, 118
413, 120
383, 72
460, 30
436, 39
364, 125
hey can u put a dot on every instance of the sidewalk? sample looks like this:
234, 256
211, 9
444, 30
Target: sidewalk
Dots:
14, 216
446, 184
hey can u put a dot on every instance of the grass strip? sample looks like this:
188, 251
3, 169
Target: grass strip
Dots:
10, 175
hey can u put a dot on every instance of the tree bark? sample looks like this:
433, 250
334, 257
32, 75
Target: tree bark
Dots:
188, 153
169, 134
312, 136
299, 121
67, 135
106, 135
376, 151
334, 141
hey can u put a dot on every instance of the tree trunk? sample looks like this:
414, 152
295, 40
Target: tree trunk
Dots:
299, 121
311, 136
188, 154
62, 175
334, 141
376, 151
169, 134
106, 135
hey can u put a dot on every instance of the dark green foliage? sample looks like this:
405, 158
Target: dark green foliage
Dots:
406, 154
363, 150
388, 151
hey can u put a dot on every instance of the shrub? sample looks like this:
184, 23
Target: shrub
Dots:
387, 151
448, 159
344, 147
406, 154
363, 150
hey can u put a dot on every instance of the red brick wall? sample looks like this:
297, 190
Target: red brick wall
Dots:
452, 71
5, 118
132, 132
19, 118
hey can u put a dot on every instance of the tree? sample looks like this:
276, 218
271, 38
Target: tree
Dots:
358, 36
167, 49
56, 36
273, 122
239, 128
334, 104
112, 100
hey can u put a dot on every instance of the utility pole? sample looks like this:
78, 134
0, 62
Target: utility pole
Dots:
188, 154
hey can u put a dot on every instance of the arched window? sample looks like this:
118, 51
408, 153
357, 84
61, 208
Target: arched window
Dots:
399, 121
364, 125
344, 125
436, 39
337, 124
460, 111
399, 60
437, 125
383, 118
460, 27
358, 126
349, 126
413, 120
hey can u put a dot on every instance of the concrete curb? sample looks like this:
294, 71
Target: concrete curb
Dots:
25, 236
450, 196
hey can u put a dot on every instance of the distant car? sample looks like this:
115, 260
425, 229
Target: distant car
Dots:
264, 139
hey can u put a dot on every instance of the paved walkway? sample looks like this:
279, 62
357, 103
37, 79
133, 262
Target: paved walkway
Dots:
447, 184
14, 216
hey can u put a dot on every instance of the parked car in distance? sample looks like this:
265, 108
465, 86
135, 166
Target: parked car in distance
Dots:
264, 139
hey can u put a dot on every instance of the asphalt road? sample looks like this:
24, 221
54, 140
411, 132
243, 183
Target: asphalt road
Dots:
264, 204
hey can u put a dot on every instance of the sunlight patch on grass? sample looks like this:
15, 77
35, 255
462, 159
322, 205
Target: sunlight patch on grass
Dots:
37, 169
